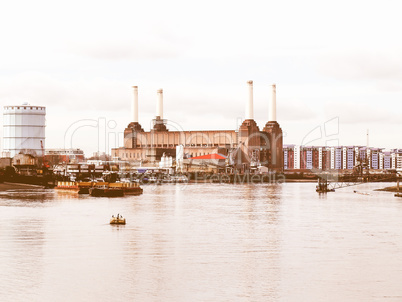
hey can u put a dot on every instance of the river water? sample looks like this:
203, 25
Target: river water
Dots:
203, 242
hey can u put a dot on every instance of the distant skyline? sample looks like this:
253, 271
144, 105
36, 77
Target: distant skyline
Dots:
337, 66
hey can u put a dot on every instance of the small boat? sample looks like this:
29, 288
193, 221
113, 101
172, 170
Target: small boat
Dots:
361, 193
118, 220
398, 195
166, 180
152, 179
180, 179
106, 191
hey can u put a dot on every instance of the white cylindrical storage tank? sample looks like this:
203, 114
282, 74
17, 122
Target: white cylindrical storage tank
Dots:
24, 129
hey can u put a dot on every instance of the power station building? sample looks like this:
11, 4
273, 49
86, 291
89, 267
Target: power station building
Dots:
24, 129
245, 147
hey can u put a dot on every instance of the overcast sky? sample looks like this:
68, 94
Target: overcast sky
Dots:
337, 66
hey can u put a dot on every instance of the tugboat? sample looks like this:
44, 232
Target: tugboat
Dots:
106, 191
128, 188
118, 219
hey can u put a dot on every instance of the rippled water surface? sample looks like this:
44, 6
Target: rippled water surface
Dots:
203, 242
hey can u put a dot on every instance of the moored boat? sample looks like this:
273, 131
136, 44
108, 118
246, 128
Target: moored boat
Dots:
180, 179
132, 188
71, 186
106, 191
152, 179
101, 188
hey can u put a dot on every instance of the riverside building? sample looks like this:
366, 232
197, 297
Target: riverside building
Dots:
340, 158
243, 147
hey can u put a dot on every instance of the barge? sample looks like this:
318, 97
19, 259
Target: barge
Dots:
85, 187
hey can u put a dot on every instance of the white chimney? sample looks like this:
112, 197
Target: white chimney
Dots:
272, 107
159, 104
134, 105
249, 104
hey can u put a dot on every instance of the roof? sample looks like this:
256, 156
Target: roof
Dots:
210, 156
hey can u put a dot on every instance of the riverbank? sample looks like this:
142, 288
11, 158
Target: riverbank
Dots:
389, 189
300, 180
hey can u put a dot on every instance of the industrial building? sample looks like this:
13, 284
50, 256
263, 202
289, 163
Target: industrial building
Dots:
244, 147
64, 156
24, 129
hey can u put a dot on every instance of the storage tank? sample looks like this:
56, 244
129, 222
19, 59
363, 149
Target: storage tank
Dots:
24, 129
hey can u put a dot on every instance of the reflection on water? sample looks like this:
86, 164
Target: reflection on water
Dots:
22, 256
28, 194
202, 242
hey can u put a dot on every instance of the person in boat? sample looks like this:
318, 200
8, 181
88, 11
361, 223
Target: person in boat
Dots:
118, 216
